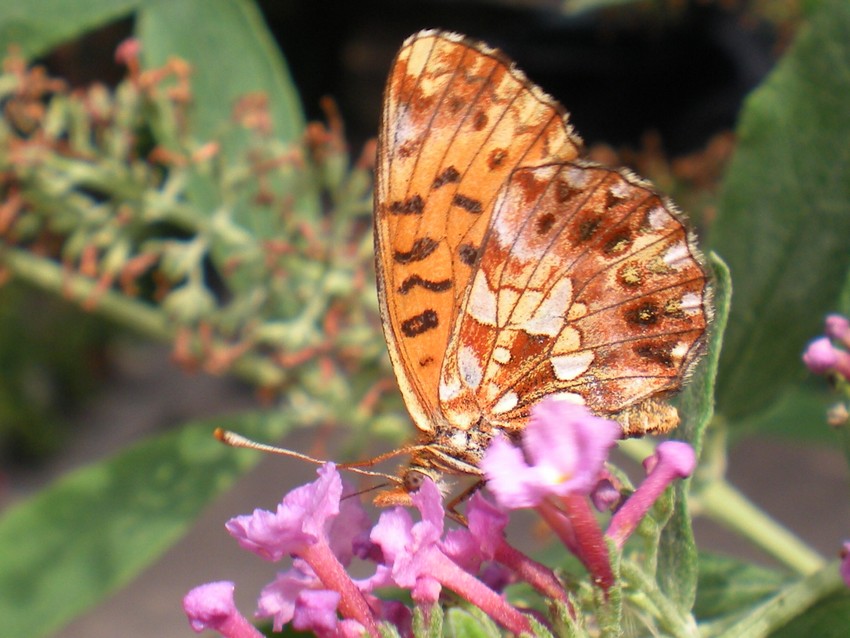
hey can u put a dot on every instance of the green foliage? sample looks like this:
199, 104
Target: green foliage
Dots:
470, 623
98, 526
783, 222
185, 204
727, 586
51, 354
678, 564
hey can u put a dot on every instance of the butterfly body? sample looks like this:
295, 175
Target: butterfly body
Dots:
510, 270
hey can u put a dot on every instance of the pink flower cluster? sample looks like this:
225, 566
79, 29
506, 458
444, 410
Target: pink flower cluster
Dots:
558, 471
822, 355
830, 354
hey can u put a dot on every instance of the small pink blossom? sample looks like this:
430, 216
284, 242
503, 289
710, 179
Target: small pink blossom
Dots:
316, 612
837, 327
128, 51
605, 496
410, 548
278, 598
418, 561
211, 606
821, 356
566, 447
304, 517
672, 460
310, 524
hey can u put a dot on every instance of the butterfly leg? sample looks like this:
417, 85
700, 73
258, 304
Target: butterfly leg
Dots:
451, 507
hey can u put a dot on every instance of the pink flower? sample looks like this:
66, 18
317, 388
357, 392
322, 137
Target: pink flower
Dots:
128, 52
278, 599
307, 515
310, 524
417, 559
566, 447
211, 606
821, 356
837, 327
316, 612
672, 460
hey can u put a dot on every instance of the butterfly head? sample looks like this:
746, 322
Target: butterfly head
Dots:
410, 481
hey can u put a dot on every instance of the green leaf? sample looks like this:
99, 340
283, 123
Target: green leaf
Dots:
696, 402
727, 586
788, 605
96, 528
784, 218
36, 26
232, 54
470, 623
829, 618
430, 624
677, 553
799, 414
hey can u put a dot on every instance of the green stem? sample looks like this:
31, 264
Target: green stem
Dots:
790, 602
724, 504
665, 610
137, 315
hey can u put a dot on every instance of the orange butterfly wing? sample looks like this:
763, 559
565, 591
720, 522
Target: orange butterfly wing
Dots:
457, 120
508, 270
589, 287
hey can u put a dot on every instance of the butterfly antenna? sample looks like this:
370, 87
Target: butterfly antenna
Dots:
379, 486
238, 441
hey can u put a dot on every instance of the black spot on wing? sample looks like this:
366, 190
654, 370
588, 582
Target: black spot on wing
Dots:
413, 205
467, 253
449, 176
415, 280
421, 323
468, 204
421, 249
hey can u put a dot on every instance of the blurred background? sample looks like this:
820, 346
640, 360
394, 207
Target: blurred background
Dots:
654, 85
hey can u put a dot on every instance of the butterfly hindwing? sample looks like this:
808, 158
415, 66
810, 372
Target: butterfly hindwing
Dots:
588, 286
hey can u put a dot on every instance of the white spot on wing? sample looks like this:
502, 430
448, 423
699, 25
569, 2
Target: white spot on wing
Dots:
569, 366
502, 355
449, 389
679, 351
576, 176
470, 367
691, 303
658, 217
677, 254
569, 397
459, 439
508, 402
548, 319
482, 301
620, 190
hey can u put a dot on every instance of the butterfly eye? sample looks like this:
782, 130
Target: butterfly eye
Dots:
413, 480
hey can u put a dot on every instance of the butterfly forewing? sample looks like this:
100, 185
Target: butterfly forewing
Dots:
457, 120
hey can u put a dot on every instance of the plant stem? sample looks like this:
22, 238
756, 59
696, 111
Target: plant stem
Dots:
137, 315
667, 612
724, 504
790, 602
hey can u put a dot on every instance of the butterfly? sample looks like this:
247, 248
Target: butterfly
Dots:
510, 270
